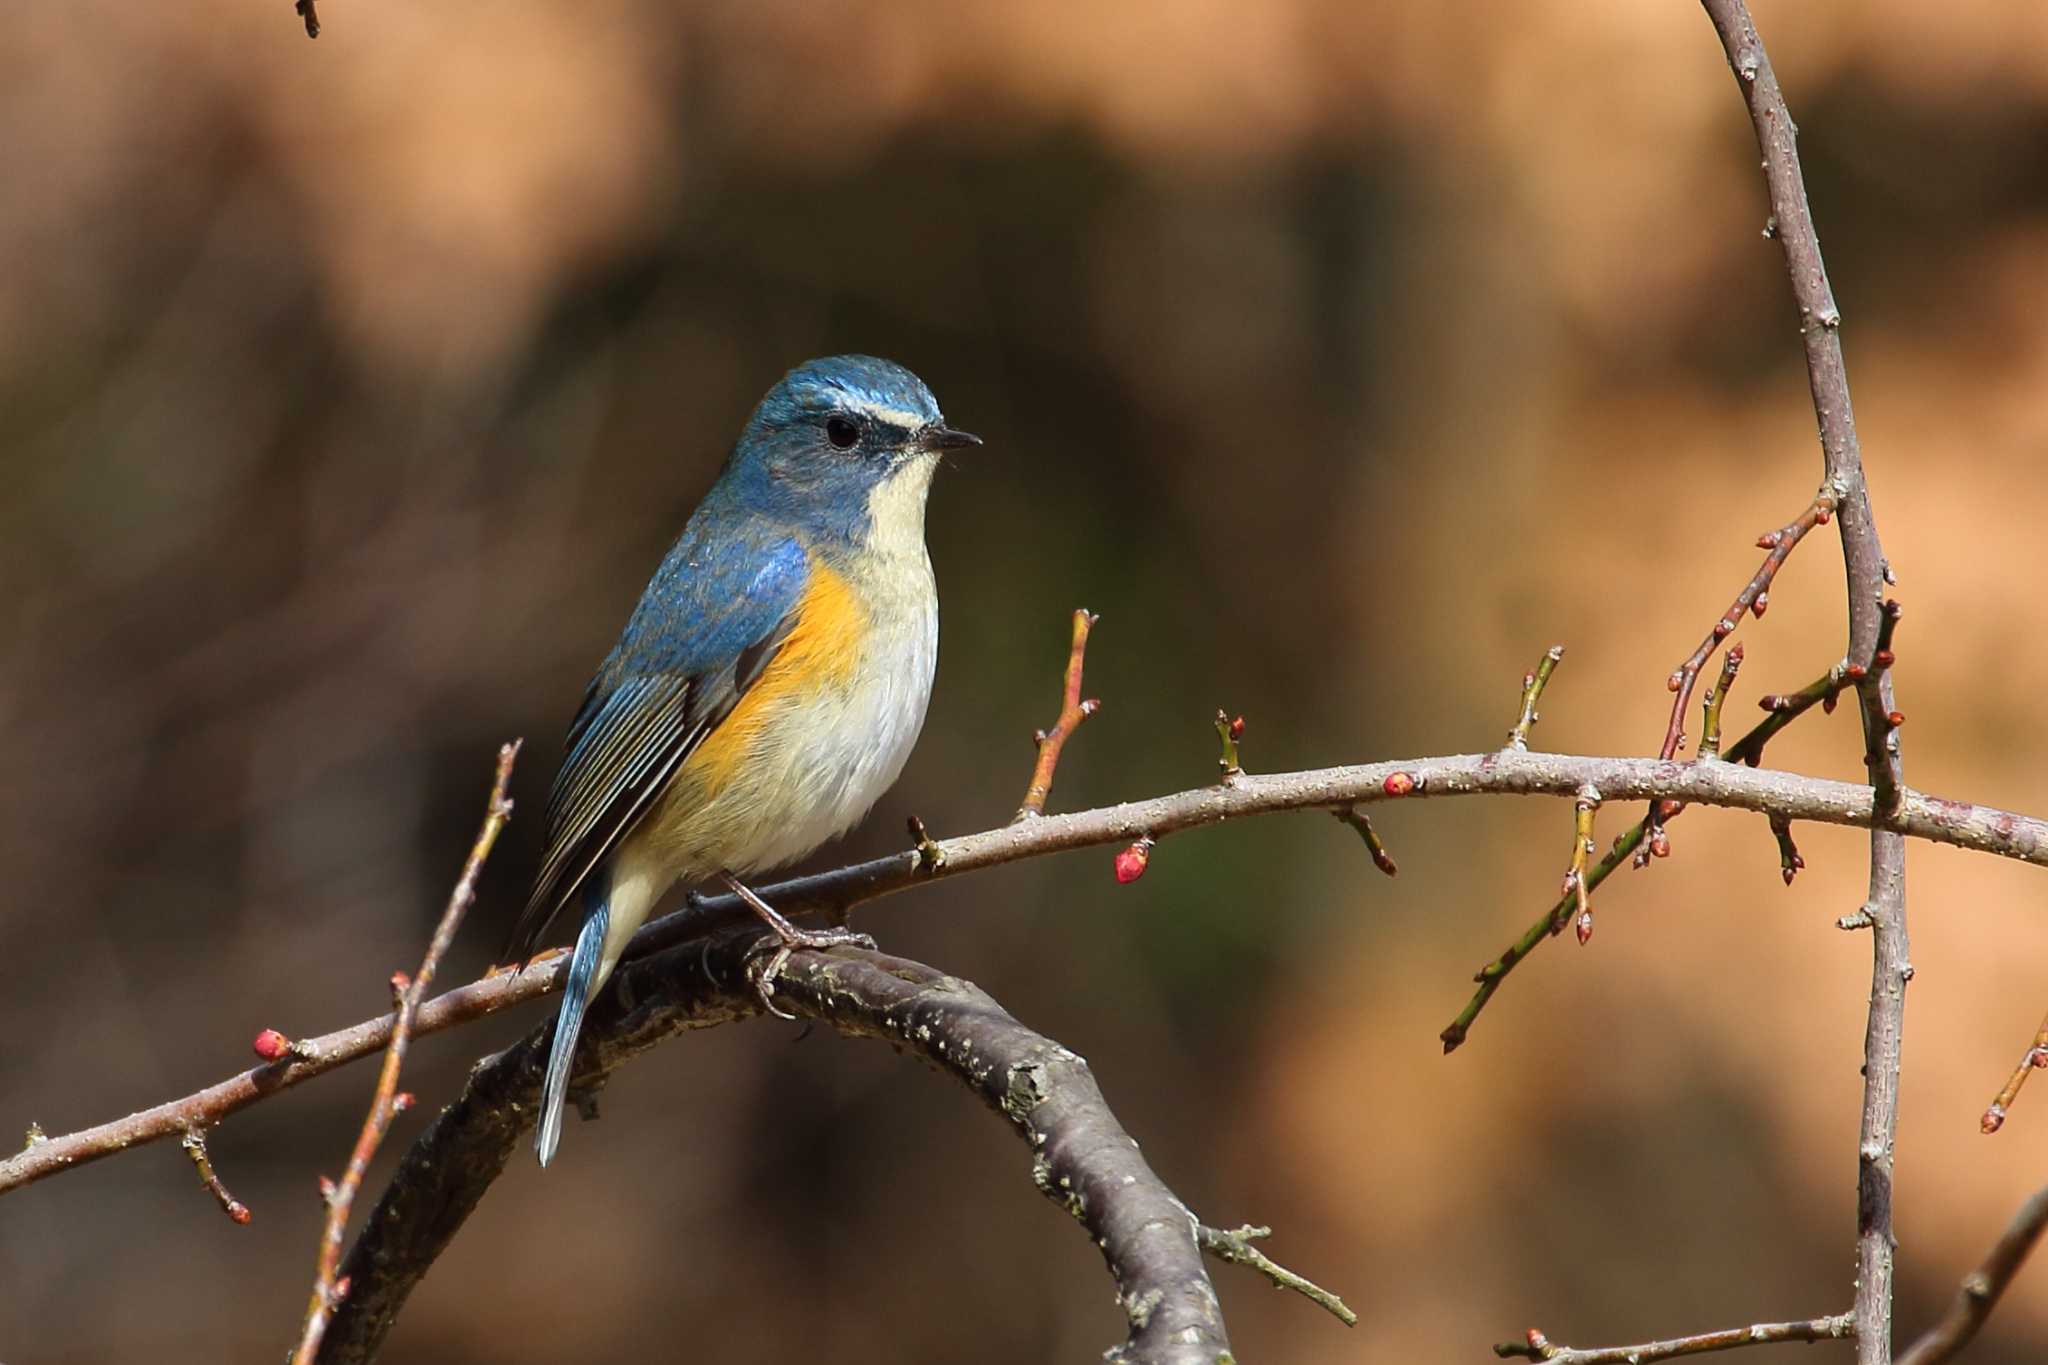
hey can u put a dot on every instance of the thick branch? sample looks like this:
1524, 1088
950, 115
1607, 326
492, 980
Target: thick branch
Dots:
1867, 574
1727, 784
1082, 1159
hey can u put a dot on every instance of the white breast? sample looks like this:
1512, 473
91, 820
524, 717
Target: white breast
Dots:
788, 798
863, 732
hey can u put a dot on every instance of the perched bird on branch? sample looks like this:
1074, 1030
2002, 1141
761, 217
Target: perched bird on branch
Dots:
769, 686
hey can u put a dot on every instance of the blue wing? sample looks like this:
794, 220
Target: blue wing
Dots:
710, 621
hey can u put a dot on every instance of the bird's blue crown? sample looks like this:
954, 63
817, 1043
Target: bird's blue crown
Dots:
824, 439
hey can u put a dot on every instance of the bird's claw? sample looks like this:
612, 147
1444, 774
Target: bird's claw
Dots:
766, 964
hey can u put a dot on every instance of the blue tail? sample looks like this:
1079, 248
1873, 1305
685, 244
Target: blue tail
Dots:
547, 1134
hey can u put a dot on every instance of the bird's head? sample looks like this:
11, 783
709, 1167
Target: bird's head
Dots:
844, 446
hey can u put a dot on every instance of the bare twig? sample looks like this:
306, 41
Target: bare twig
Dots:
311, 15
1755, 596
1358, 820
1982, 1287
1540, 1347
2035, 1057
929, 854
1717, 697
194, 1143
1073, 710
1575, 892
1081, 1158
1867, 575
1790, 864
1783, 710
329, 1286
1229, 730
1962, 824
1236, 1247
1533, 684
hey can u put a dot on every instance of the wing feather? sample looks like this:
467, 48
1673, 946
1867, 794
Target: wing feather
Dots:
654, 701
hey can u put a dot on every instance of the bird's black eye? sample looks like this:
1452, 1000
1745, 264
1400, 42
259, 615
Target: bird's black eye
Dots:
841, 433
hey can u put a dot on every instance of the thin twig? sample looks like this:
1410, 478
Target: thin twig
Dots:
1754, 597
1782, 708
929, 854
1540, 1347
1236, 1247
1575, 891
329, 1287
2035, 1057
1734, 786
1790, 864
1782, 711
194, 1143
1533, 684
1867, 574
1358, 820
1073, 710
1982, 1287
1717, 697
1230, 731
311, 16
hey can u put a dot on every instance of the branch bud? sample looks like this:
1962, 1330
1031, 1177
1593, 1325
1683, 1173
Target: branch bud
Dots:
1131, 861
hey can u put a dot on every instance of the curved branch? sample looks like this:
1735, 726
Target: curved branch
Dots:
1712, 783
1082, 1159
1982, 1287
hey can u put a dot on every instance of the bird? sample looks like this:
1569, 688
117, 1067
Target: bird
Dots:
767, 689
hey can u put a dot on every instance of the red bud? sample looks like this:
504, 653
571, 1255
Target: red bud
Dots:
1855, 672
238, 1211
1896, 719
1761, 605
1885, 658
1584, 927
401, 1102
1823, 514
271, 1045
1237, 729
1398, 784
1130, 863
1994, 1119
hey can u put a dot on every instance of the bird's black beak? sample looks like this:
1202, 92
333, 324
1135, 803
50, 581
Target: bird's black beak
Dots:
945, 438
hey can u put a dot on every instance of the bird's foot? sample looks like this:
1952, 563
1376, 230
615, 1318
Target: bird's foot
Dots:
768, 961
767, 965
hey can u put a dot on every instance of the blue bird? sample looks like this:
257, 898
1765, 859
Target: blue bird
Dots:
769, 686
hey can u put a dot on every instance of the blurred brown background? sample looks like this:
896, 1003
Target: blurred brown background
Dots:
1343, 357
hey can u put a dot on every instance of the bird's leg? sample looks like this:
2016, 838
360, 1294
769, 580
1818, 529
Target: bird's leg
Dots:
792, 939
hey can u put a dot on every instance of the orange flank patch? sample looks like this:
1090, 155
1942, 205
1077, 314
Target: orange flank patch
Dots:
823, 650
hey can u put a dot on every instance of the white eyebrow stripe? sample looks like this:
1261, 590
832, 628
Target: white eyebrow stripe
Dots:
895, 417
